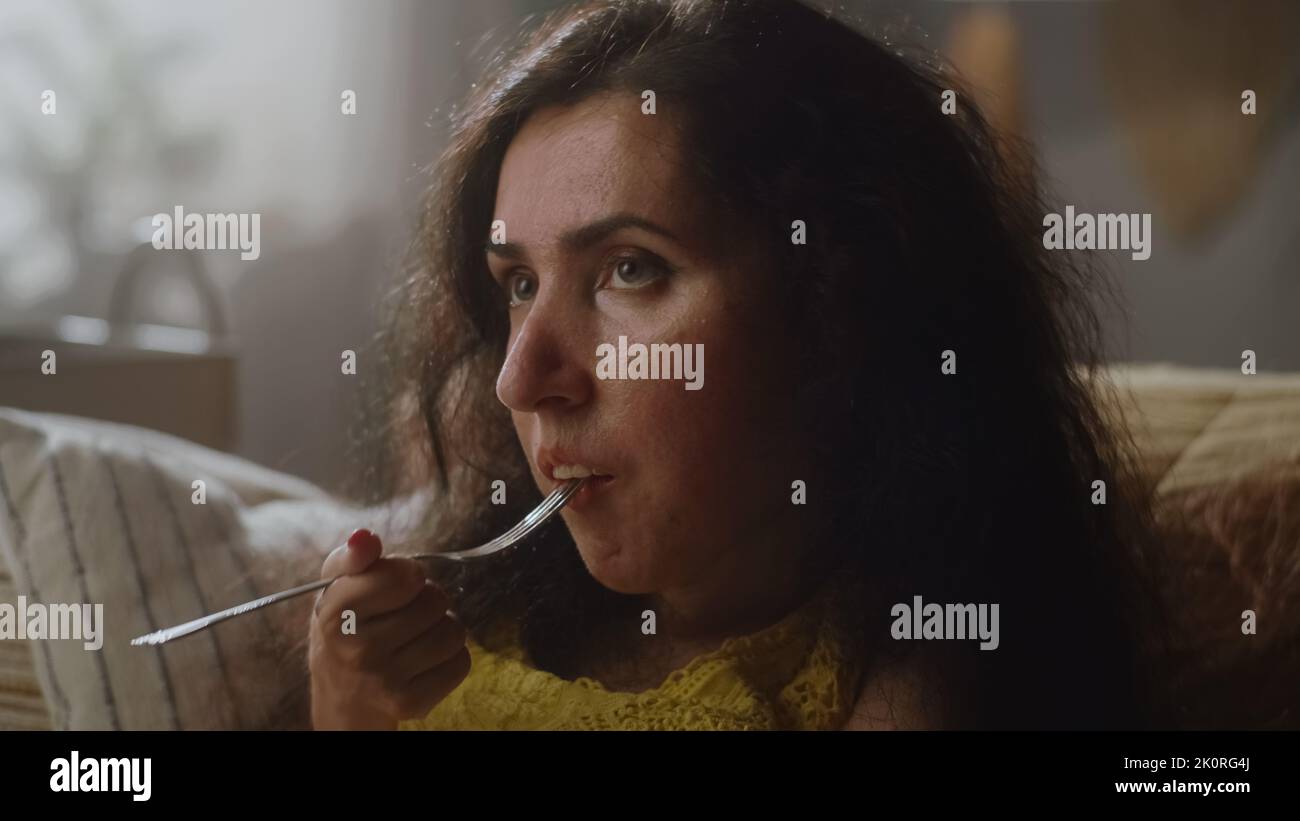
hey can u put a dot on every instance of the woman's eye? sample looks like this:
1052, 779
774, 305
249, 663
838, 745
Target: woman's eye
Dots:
520, 288
635, 272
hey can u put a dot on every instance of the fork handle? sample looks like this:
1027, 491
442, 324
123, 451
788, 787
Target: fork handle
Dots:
162, 636
188, 627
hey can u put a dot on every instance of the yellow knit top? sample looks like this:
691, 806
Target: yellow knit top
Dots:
801, 673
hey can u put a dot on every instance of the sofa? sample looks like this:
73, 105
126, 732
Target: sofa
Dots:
161, 530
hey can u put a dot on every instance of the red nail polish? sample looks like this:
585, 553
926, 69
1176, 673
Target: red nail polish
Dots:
360, 538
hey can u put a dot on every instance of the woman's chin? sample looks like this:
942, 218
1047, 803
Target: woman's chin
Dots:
615, 568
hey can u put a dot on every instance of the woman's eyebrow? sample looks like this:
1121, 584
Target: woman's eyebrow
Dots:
579, 239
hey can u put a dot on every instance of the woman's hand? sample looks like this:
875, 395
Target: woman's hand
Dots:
383, 647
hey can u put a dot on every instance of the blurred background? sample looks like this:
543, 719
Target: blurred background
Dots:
236, 107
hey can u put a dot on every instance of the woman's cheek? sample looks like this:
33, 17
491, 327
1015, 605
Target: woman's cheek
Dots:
701, 443
708, 434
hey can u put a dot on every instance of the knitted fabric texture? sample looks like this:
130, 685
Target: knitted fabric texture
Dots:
800, 673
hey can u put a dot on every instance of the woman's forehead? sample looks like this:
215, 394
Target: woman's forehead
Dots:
578, 164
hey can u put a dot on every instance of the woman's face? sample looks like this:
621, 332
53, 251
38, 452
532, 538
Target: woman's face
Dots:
605, 237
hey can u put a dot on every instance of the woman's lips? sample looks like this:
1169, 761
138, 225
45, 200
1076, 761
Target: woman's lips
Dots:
558, 465
595, 488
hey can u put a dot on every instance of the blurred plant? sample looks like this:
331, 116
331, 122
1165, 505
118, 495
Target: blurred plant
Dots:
117, 147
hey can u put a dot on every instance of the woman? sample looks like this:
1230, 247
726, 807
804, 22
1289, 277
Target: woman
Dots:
888, 406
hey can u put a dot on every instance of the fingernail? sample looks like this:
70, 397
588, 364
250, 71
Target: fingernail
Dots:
360, 538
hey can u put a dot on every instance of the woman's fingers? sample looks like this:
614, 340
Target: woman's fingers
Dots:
431, 648
385, 586
393, 630
360, 551
400, 654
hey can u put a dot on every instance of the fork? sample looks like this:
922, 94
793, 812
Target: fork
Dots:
554, 501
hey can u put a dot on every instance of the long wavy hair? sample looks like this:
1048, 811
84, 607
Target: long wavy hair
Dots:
976, 486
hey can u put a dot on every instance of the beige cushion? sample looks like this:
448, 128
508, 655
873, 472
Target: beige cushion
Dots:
94, 512
22, 705
1198, 427
1222, 451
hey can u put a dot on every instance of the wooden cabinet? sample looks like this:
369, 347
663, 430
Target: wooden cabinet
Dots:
168, 379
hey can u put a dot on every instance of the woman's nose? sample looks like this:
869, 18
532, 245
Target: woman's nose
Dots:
544, 366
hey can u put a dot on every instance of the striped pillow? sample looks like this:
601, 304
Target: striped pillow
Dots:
22, 705
92, 512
